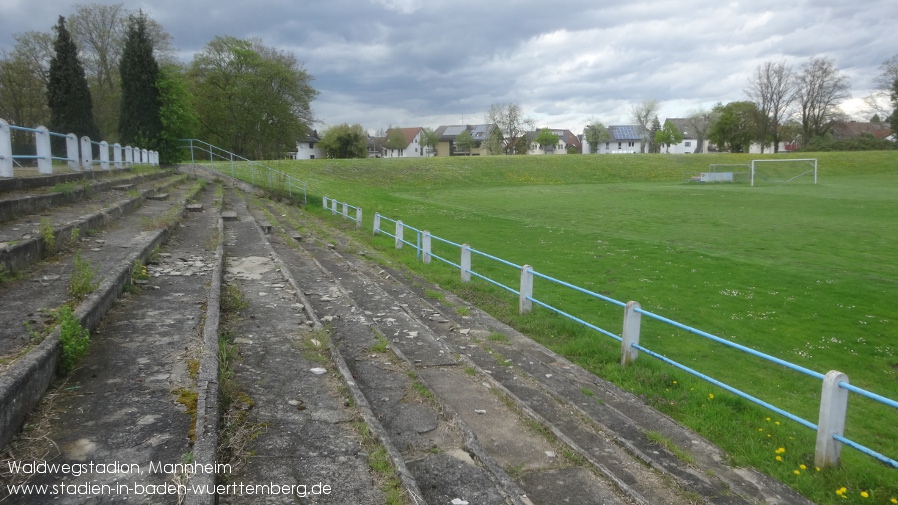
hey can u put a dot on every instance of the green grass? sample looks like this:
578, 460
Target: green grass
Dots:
802, 272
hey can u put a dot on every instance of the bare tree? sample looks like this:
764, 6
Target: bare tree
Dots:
642, 115
772, 89
699, 122
820, 88
510, 119
35, 48
879, 102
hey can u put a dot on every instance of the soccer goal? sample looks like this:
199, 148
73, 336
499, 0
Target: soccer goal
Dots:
800, 171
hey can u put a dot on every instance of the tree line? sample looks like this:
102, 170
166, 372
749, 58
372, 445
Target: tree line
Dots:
110, 73
784, 105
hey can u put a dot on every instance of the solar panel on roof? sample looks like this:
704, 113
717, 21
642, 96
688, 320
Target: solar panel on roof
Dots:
453, 130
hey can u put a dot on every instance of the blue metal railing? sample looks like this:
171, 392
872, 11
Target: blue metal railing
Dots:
79, 154
766, 357
266, 174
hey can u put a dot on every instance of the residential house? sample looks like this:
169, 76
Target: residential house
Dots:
852, 129
690, 143
567, 142
448, 133
624, 139
413, 147
307, 147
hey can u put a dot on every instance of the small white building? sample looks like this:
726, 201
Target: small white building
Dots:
413, 147
690, 143
624, 139
566, 140
307, 147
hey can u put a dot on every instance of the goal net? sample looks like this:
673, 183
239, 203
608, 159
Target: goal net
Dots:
792, 171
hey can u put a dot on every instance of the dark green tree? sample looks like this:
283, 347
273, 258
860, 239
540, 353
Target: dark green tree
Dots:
177, 114
668, 135
139, 121
251, 99
344, 141
68, 95
654, 146
735, 126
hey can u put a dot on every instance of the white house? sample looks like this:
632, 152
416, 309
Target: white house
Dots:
624, 139
566, 139
690, 143
307, 147
413, 147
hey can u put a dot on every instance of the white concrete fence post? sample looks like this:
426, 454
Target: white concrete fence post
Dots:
144, 158
43, 150
324, 202
376, 223
71, 152
524, 303
465, 263
358, 217
87, 154
129, 156
398, 234
117, 155
104, 155
333, 207
345, 210
425, 247
630, 333
5, 150
833, 409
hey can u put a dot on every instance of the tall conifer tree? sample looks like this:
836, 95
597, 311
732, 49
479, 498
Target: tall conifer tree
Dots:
71, 109
139, 122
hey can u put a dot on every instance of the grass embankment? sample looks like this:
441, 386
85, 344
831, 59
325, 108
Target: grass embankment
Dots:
805, 273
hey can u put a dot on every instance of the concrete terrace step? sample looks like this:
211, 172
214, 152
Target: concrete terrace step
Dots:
29, 363
302, 421
610, 433
132, 399
22, 236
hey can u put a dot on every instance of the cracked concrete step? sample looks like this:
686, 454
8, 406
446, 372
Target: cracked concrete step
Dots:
301, 424
132, 399
23, 239
25, 302
621, 456
496, 435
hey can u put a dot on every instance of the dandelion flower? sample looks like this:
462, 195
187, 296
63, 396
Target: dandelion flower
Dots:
802, 467
768, 419
796, 472
779, 458
710, 396
865, 494
894, 500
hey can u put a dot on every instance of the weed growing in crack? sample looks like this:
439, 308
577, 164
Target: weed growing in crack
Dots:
381, 345
74, 339
83, 281
46, 230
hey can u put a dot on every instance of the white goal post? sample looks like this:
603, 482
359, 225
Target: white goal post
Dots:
783, 171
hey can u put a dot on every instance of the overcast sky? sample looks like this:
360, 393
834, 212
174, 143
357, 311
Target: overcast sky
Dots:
432, 62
